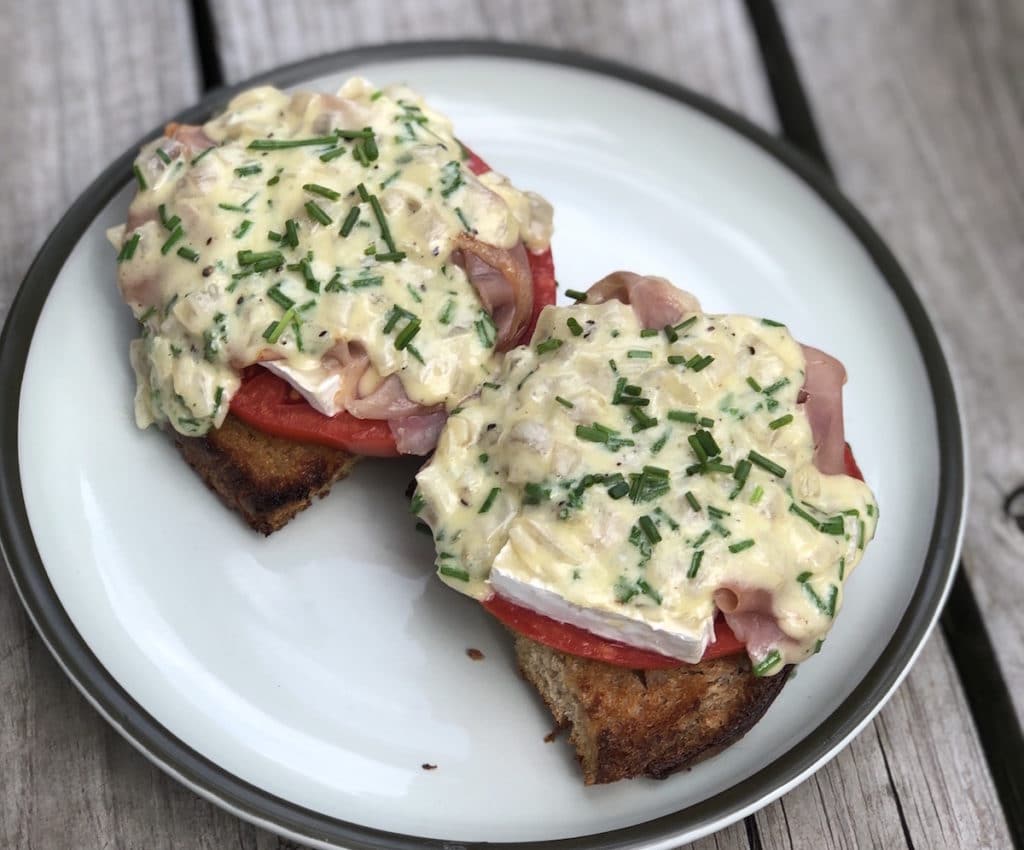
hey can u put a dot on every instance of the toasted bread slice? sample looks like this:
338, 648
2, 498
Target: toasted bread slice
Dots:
266, 479
628, 723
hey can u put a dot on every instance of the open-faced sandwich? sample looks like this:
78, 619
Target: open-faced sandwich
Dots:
660, 503
319, 277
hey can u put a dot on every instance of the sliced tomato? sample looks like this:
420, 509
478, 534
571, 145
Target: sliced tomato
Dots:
851, 464
268, 403
576, 641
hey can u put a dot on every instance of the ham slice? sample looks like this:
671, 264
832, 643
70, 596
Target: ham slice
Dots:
418, 434
822, 396
502, 279
750, 615
655, 301
388, 401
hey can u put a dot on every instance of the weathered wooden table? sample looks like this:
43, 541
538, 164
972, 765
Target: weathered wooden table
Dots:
918, 108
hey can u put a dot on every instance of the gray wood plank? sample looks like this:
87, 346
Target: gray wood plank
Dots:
707, 46
922, 107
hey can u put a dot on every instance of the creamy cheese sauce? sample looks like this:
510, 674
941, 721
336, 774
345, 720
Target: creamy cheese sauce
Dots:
315, 220
633, 475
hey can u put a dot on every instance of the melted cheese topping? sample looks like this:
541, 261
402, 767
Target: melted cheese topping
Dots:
573, 483
236, 255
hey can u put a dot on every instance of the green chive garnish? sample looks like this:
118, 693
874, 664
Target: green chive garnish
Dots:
676, 360
453, 572
639, 354
242, 229
549, 345
247, 170
202, 154
333, 153
766, 663
486, 506
576, 295
407, 333
575, 327
683, 325
692, 500
765, 463
323, 191
188, 254
741, 545
139, 178
772, 324
279, 298
176, 234
160, 152
128, 249
350, 221
564, 401
316, 212
754, 385
778, 385
682, 416
281, 144
618, 490
698, 556
780, 422
592, 434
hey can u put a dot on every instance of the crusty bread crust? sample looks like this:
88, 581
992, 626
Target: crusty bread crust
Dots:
628, 723
266, 479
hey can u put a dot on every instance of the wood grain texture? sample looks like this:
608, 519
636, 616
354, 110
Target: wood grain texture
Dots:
87, 79
922, 108
705, 45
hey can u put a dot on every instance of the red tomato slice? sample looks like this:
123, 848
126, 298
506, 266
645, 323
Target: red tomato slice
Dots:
268, 403
576, 641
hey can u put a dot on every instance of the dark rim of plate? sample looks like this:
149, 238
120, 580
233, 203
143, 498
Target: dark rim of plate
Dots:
252, 803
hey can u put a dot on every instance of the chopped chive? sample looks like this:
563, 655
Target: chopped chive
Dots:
273, 181
535, 494
202, 154
766, 663
333, 153
755, 497
707, 421
274, 236
575, 327
391, 257
279, 298
391, 178
708, 442
316, 212
716, 466
804, 576
564, 401
618, 490
683, 325
632, 389
842, 568
778, 385
613, 366
273, 332
128, 249
407, 333
576, 295
780, 422
188, 254
139, 178
833, 525
446, 314
415, 352
772, 324
717, 513
639, 354
417, 504
312, 284
765, 463
682, 416
350, 221
693, 501
248, 170
176, 234
740, 474
705, 361
453, 572
462, 218
483, 458
160, 152
698, 556
365, 133
676, 360
740, 545
754, 385
291, 233
281, 144
486, 506
698, 448
649, 529
671, 333
794, 508
547, 345
647, 590
659, 444
592, 434
702, 539
147, 315
322, 191
242, 207
825, 606
242, 229
643, 421
649, 332
367, 282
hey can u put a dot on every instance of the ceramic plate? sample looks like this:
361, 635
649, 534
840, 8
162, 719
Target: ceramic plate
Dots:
303, 681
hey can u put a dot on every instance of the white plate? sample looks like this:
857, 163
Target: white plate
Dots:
303, 681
